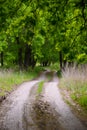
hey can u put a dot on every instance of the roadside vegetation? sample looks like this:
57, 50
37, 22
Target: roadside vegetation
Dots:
74, 81
40, 87
10, 78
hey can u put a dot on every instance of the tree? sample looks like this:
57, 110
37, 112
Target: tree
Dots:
43, 31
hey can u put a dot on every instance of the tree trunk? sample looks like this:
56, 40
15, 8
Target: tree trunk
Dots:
2, 54
33, 61
27, 57
61, 59
65, 62
45, 63
19, 52
20, 57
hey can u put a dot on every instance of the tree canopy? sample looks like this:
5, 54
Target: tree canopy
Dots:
43, 31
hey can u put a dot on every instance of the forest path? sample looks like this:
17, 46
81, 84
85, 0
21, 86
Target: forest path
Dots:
24, 110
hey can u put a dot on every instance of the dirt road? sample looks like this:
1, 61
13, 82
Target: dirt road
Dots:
25, 110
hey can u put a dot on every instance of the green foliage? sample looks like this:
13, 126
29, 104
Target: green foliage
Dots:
48, 27
38, 41
38, 69
82, 58
83, 101
55, 66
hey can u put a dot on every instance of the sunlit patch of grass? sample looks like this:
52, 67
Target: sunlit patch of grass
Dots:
74, 80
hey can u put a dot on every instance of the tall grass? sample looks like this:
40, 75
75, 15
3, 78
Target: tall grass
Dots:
74, 80
10, 78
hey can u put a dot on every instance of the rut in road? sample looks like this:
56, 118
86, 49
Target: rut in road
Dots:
24, 110
12, 109
52, 113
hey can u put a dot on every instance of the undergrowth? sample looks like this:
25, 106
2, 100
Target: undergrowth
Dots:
10, 78
74, 80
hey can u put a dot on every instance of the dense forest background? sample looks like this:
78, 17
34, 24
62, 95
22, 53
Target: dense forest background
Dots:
43, 31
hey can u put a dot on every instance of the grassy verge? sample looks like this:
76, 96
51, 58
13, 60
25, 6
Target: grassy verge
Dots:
9, 79
74, 81
40, 87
